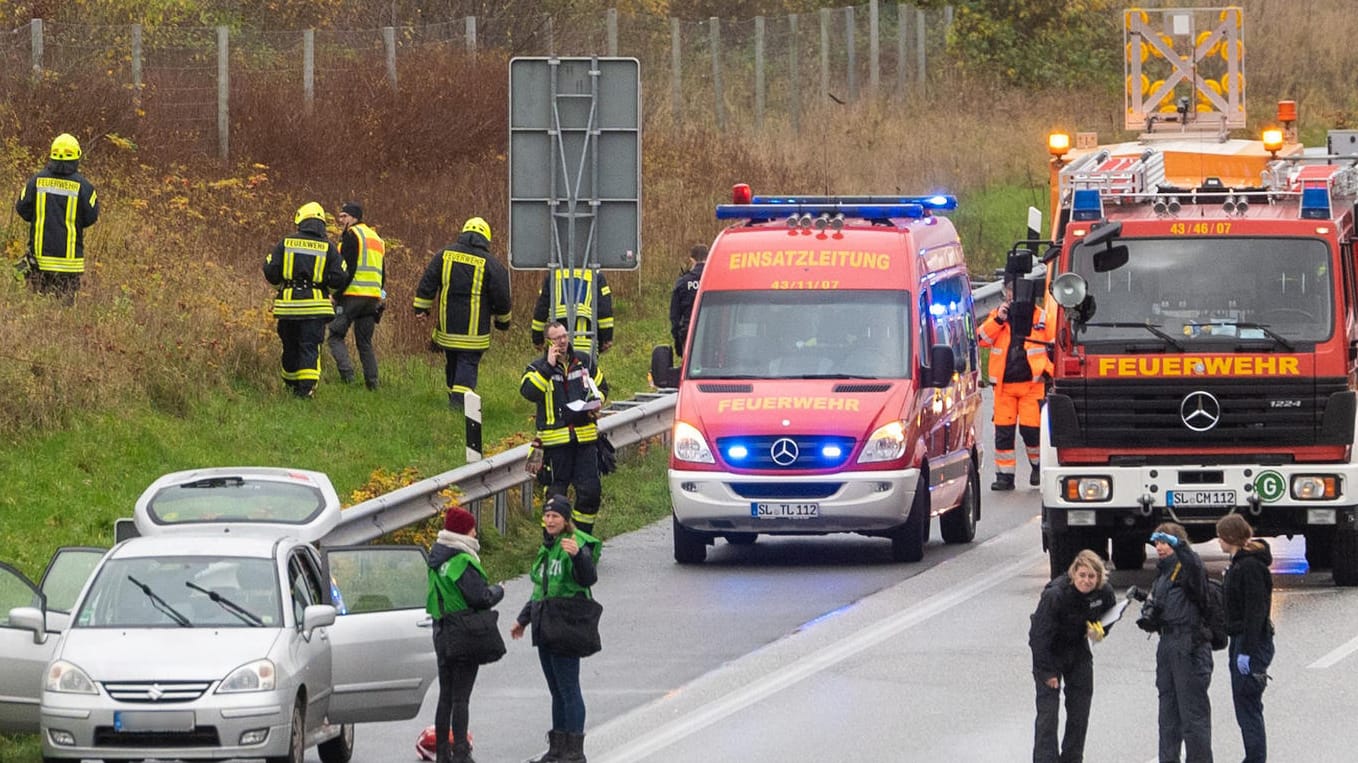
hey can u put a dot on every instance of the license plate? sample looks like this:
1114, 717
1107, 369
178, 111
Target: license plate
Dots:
785, 510
1191, 498
153, 720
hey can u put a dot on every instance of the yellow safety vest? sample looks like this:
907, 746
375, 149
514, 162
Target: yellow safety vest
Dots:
368, 269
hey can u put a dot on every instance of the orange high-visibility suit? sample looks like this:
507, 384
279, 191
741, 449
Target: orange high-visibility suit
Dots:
1018, 378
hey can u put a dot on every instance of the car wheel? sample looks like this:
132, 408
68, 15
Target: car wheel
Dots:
1320, 549
690, 546
1345, 558
296, 738
741, 539
907, 542
1129, 552
1062, 546
340, 749
958, 524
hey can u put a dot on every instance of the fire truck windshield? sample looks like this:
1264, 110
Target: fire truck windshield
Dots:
824, 334
1206, 290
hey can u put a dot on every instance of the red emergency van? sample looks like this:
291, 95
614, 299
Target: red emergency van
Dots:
830, 381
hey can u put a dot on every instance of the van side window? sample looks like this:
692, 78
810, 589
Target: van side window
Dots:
949, 313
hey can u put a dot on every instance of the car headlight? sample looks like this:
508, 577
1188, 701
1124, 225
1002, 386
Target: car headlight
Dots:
690, 445
252, 676
66, 678
886, 444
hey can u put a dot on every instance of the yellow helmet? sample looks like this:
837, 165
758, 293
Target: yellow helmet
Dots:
65, 148
308, 211
477, 225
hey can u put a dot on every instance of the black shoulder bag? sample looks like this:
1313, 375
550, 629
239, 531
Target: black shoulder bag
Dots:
470, 635
568, 625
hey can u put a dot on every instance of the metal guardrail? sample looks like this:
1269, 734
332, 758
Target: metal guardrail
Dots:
988, 297
495, 477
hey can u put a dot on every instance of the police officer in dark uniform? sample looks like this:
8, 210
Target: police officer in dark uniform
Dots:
306, 267
681, 299
568, 389
60, 204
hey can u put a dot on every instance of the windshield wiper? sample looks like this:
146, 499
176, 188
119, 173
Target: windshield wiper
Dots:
161, 604
1151, 327
1270, 333
245, 615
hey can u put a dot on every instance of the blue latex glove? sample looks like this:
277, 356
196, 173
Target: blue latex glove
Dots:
1164, 538
1242, 664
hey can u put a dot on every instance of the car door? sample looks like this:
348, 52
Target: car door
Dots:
383, 647
22, 661
310, 658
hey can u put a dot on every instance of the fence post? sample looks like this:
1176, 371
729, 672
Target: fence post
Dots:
611, 21
758, 72
850, 48
874, 49
136, 66
35, 43
714, 34
824, 55
471, 408
795, 85
902, 26
389, 41
469, 35
919, 46
677, 72
551, 34
309, 71
223, 93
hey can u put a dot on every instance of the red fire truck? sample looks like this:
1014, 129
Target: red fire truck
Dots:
1205, 289
830, 382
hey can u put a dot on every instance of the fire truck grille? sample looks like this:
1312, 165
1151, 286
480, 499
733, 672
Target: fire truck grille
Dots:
1154, 413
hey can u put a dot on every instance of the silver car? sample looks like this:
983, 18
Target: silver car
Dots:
221, 631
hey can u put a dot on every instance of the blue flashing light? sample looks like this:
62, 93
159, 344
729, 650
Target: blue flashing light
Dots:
831, 452
773, 210
937, 202
1086, 205
737, 453
1315, 203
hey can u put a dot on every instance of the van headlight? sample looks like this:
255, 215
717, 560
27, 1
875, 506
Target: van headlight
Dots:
886, 444
252, 676
690, 445
66, 678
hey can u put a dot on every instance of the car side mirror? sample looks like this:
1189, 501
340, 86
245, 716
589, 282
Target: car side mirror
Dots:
30, 619
942, 366
317, 616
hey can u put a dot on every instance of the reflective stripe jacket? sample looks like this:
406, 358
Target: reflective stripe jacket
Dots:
553, 388
305, 267
60, 203
995, 335
472, 289
588, 289
362, 250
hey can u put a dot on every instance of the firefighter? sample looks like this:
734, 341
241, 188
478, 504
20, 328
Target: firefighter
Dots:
681, 299
593, 299
60, 204
472, 291
1017, 371
306, 268
361, 300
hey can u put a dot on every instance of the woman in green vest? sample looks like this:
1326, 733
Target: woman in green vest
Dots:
456, 582
560, 569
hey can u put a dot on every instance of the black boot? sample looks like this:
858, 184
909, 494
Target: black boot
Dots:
574, 751
462, 752
1035, 476
443, 751
1003, 482
556, 741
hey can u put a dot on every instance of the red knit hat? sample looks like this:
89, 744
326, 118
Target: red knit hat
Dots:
459, 520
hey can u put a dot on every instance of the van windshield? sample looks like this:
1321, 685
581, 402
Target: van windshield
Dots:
776, 334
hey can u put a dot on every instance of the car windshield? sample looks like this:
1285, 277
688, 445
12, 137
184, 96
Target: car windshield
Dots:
1206, 291
236, 499
801, 335
182, 591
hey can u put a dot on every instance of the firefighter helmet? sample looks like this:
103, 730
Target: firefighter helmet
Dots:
309, 211
477, 225
65, 148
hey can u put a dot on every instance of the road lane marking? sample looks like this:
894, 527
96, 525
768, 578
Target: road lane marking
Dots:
1338, 654
813, 663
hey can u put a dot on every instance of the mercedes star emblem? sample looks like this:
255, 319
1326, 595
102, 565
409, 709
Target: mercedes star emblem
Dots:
1200, 411
784, 451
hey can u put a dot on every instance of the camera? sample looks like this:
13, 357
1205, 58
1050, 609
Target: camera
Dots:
1150, 620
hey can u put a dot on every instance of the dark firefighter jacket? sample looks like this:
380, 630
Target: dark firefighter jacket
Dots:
306, 268
553, 388
60, 203
472, 289
593, 299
